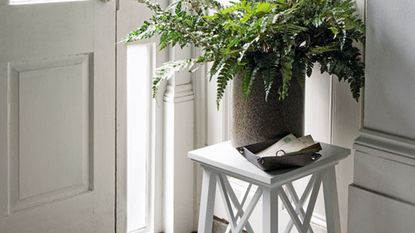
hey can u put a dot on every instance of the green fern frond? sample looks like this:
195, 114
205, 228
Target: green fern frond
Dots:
268, 78
248, 78
252, 39
286, 75
225, 75
168, 69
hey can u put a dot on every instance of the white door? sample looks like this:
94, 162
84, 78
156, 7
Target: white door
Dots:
57, 116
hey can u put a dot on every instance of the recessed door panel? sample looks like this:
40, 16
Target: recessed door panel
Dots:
57, 117
51, 110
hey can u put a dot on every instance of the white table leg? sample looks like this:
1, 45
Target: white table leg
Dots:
207, 201
331, 201
270, 211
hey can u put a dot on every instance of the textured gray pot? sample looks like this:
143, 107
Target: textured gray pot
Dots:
256, 120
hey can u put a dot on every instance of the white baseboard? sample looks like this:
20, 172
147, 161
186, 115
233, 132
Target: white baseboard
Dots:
376, 212
385, 164
381, 198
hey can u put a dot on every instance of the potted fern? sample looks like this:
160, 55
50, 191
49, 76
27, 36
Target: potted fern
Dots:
267, 48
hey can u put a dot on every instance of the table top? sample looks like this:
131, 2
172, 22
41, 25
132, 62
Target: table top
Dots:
225, 158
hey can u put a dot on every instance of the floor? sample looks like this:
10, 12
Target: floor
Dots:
219, 225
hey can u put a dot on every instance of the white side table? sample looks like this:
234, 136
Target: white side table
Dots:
222, 160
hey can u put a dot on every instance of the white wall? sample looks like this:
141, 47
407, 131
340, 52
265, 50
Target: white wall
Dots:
381, 198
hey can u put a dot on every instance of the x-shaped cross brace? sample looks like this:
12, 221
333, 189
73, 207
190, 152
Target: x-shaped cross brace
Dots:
297, 212
228, 195
299, 217
239, 212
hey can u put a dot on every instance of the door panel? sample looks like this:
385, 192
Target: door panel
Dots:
57, 117
51, 98
36, 31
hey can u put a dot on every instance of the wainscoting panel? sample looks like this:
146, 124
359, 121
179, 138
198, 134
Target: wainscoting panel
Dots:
386, 164
373, 212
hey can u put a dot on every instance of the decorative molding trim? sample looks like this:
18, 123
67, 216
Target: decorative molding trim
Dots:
178, 139
387, 146
179, 93
15, 81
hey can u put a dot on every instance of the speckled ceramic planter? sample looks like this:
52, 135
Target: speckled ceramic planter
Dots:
256, 120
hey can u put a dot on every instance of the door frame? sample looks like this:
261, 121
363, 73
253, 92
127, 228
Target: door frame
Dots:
154, 164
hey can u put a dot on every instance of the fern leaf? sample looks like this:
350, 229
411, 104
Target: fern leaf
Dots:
268, 82
248, 80
168, 69
286, 74
225, 75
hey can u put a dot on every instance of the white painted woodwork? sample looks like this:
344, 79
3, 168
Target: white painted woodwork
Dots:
222, 160
57, 120
318, 116
207, 201
390, 63
331, 201
139, 75
50, 110
375, 212
226, 157
178, 139
270, 211
318, 106
130, 14
380, 198
333, 116
346, 120
383, 163
199, 83
172, 136
22, 2
238, 205
178, 169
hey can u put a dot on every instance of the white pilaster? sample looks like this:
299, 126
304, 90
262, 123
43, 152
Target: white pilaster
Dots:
178, 140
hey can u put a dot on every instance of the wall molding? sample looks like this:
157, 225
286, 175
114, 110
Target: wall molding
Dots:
383, 163
372, 212
387, 146
178, 93
178, 139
